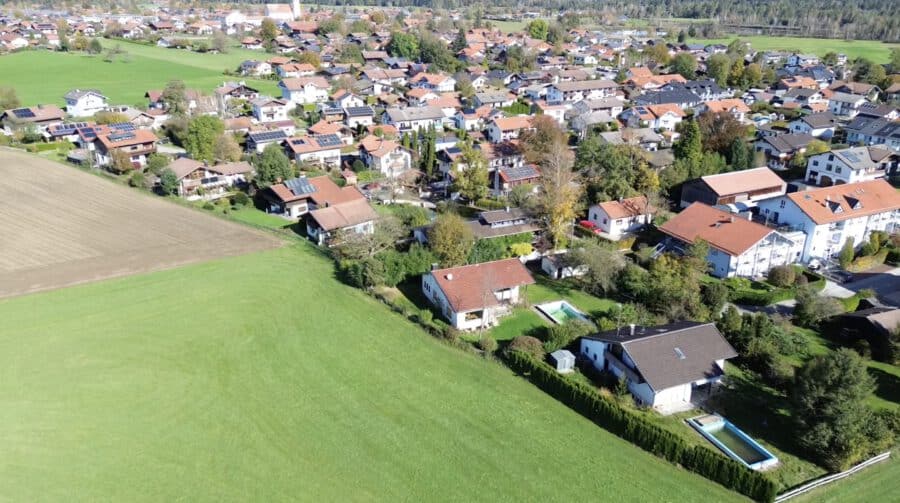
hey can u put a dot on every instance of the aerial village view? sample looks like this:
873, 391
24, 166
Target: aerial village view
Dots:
450, 251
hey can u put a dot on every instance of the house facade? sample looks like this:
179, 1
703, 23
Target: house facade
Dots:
303, 90
830, 216
85, 102
856, 164
476, 296
662, 366
737, 246
617, 219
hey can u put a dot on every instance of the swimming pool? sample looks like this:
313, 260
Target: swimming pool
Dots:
733, 442
561, 311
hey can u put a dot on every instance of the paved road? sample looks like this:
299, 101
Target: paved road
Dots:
885, 283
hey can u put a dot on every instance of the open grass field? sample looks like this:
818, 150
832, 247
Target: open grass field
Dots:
44, 77
876, 51
62, 226
876, 483
261, 378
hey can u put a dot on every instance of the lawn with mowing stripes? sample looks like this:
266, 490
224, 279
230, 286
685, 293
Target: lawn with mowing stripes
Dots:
44, 77
261, 378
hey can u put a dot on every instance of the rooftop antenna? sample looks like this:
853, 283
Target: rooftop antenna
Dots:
618, 319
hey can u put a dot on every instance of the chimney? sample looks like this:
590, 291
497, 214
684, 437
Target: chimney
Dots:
434, 266
731, 219
507, 208
450, 277
631, 329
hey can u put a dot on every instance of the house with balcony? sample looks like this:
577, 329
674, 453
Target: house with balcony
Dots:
508, 128
737, 245
267, 109
414, 119
85, 102
385, 156
829, 216
663, 366
304, 90
851, 165
845, 105
474, 297
577, 90
136, 144
320, 150
818, 125
780, 149
196, 180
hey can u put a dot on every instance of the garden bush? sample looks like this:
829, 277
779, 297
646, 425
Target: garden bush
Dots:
527, 345
240, 199
631, 426
782, 276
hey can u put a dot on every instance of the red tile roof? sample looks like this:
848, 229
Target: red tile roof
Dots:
472, 287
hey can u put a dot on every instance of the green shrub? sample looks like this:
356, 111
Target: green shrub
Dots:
561, 335
782, 276
209, 206
240, 199
527, 345
893, 256
487, 344
631, 426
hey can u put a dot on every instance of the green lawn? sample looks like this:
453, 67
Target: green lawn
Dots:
876, 483
871, 49
524, 320
261, 378
44, 77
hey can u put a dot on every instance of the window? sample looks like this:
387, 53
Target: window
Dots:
837, 170
782, 204
815, 163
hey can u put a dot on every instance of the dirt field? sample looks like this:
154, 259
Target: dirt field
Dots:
60, 227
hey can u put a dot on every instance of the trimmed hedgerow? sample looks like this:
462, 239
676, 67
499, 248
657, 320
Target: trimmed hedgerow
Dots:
609, 415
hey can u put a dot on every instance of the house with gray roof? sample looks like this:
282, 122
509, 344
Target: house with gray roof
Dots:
665, 367
85, 102
413, 118
851, 165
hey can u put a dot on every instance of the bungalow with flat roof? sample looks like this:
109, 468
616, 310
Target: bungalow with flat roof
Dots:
742, 188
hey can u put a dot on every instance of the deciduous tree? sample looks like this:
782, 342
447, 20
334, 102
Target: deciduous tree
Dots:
273, 165
450, 239
201, 137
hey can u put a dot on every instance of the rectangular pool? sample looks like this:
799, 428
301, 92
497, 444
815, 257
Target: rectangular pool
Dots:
561, 311
733, 442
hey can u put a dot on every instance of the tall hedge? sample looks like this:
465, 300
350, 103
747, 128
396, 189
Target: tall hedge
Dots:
629, 425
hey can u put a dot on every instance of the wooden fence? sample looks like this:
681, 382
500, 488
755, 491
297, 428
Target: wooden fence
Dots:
831, 478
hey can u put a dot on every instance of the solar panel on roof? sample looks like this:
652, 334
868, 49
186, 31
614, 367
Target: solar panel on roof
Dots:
268, 136
120, 136
123, 126
328, 140
300, 186
23, 113
519, 172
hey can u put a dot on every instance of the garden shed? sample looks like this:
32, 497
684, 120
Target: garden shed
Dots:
563, 360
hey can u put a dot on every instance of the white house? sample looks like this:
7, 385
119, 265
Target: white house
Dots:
508, 128
433, 81
845, 105
322, 150
856, 164
85, 102
662, 365
196, 180
475, 296
416, 119
386, 156
267, 109
616, 219
817, 125
303, 90
577, 90
829, 216
737, 246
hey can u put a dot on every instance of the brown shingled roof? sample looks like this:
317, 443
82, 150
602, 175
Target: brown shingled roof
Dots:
472, 287
724, 231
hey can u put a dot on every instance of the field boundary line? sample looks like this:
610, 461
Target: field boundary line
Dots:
832, 478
